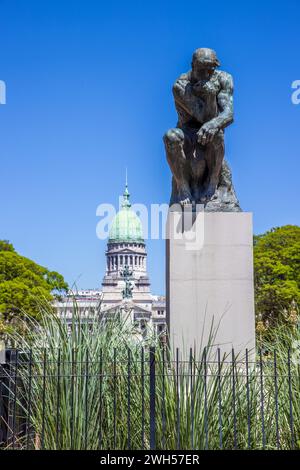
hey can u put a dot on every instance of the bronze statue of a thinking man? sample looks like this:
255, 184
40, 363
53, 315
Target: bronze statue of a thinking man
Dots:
195, 148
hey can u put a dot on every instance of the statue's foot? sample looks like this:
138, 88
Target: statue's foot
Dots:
210, 192
184, 197
185, 202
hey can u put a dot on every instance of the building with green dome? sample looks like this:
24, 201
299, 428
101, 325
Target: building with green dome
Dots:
125, 285
126, 253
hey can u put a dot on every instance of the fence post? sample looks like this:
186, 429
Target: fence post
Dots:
2, 352
10, 359
3, 428
152, 400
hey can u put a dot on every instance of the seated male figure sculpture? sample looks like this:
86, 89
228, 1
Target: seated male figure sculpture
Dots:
195, 148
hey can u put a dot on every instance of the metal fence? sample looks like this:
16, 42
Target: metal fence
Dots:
145, 400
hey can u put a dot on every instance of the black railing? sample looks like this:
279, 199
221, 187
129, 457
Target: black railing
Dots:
145, 400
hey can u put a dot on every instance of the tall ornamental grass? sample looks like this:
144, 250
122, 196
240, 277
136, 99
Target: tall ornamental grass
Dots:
87, 386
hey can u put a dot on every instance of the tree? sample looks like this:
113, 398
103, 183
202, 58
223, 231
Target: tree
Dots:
277, 271
6, 246
24, 286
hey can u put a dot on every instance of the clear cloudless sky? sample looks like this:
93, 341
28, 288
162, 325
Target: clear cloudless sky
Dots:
89, 93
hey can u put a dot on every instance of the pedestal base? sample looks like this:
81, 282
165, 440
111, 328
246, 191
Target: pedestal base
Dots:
210, 282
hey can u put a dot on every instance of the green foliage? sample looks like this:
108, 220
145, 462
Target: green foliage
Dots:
277, 271
6, 246
23, 286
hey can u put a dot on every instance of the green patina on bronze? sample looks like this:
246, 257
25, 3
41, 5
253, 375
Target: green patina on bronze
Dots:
126, 226
126, 273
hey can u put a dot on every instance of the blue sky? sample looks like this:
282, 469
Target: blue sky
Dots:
89, 94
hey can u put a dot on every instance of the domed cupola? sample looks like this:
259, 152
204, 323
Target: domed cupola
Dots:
126, 226
126, 245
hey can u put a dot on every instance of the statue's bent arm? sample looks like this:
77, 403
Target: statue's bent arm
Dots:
187, 105
225, 102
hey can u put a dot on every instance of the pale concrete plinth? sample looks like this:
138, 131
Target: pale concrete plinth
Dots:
211, 280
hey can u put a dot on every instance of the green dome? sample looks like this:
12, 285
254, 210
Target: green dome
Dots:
126, 226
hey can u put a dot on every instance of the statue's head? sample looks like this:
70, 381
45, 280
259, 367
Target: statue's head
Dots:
204, 59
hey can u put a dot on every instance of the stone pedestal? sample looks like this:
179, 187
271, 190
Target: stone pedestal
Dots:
210, 281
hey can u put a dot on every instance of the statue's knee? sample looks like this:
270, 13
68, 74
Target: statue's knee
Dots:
174, 137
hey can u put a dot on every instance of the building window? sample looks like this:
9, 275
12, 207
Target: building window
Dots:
121, 260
